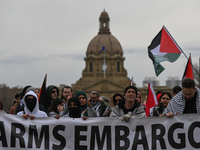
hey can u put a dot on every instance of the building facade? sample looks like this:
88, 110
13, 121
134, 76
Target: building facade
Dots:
104, 63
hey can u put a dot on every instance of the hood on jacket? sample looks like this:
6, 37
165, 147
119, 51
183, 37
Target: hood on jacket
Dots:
48, 95
36, 108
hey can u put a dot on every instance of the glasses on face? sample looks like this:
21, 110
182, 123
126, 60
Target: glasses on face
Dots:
81, 98
54, 92
190, 94
118, 100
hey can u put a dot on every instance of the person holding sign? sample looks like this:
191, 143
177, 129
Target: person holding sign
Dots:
186, 101
129, 107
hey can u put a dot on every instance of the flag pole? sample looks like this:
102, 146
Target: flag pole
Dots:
182, 50
193, 66
104, 71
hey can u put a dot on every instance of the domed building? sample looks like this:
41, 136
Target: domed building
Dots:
104, 71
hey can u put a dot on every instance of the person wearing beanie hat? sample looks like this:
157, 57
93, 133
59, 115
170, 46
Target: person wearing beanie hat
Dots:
129, 107
85, 110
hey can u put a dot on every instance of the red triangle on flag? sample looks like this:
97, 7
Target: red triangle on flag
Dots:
167, 44
188, 73
151, 99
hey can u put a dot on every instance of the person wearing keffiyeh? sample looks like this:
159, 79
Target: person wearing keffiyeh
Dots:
186, 101
129, 107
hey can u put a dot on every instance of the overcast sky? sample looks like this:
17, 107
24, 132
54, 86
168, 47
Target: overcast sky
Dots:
39, 37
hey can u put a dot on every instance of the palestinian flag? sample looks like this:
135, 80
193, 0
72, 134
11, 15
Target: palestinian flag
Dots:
151, 99
163, 48
188, 73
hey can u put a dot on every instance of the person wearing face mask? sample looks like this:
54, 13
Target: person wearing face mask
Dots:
31, 108
74, 108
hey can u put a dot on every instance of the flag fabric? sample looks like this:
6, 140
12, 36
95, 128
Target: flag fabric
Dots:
102, 49
163, 48
131, 81
42, 93
151, 99
188, 73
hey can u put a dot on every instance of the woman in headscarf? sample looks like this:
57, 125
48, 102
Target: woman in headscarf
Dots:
139, 98
56, 108
85, 110
74, 108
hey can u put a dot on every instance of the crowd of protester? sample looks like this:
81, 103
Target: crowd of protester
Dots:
184, 100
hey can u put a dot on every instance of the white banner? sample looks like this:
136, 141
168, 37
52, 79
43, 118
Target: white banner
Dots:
179, 132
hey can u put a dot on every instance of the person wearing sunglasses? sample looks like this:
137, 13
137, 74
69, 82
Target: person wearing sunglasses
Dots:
31, 107
117, 98
52, 93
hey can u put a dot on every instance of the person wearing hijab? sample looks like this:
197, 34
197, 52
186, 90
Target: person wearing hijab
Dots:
74, 108
31, 107
85, 110
139, 98
56, 108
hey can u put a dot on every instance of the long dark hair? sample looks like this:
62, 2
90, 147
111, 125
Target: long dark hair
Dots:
115, 95
166, 93
54, 104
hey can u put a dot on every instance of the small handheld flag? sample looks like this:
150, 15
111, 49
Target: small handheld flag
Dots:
163, 48
131, 81
151, 99
102, 49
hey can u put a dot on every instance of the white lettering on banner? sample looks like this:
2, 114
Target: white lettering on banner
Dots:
179, 132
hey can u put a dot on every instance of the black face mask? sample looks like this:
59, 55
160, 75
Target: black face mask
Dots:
74, 112
30, 103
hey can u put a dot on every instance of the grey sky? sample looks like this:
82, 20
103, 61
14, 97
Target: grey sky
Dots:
39, 37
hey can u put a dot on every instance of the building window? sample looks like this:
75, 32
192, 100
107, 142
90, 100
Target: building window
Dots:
118, 67
91, 67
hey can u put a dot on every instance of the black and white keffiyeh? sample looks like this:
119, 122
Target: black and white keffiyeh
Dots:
177, 103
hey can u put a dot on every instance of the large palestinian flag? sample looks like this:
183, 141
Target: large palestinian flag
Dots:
163, 48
